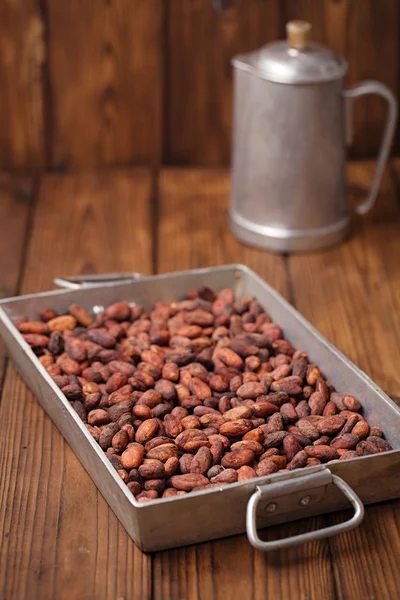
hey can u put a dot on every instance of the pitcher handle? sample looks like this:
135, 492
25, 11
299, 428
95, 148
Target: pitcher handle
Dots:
362, 89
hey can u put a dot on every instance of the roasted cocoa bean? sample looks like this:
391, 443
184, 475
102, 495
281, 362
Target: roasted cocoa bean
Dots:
198, 393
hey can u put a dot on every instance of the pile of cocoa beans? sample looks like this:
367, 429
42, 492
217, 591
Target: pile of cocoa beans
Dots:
196, 393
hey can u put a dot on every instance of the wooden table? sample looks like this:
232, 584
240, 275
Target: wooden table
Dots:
58, 538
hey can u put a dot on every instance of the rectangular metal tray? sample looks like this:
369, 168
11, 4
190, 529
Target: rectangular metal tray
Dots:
217, 513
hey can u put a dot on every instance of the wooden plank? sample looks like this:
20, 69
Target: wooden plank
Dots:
58, 537
22, 54
105, 64
193, 233
201, 43
351, 294
16, 200
367, 34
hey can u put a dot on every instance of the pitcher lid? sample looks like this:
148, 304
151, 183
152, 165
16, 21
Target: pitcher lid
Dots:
294, 60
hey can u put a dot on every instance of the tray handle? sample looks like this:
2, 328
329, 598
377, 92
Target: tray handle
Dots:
303, 484
76, 282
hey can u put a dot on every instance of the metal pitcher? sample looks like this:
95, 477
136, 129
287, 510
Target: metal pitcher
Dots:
292, 121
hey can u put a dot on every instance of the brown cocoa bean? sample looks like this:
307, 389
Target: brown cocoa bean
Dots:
330, 425
266, 467
132, 456
275, 439
230, 358
245, 473
166, 389
348, 454
279, 460
107, 435
255, 434
379, 443
291, 446
117, 410
376, 431
324, 440
237, 458
33, 328
128, 427
170, 371
202, 461
252, 445
98, 417
351, 403
62, 323
298, 461
250, 390
102, 338
142, 411
330, 409
240, 412
173, 426
171, 465
147, 430
364, 448
264, 409
226, 476
146, 496
235, 428
75, 349
169, 492
80, 314
153, 470
308, 429
288, 409
179, 412
151, 398
191, 440
313, 374
317, 403
323, 453
188, 481
120, 440
346, 441
302, 409
337, 399
349, 424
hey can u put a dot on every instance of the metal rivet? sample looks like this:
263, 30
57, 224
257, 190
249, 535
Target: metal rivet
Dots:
271, 507
306, 500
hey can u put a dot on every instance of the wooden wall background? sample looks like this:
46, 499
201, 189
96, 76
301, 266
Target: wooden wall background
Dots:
86, 83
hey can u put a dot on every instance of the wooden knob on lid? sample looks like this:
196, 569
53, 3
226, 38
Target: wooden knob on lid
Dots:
297, 34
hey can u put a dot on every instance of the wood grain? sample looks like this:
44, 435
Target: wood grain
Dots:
193, 233
16, 201
230, 569
106, 78
118, 82
22, 53
58, 537
367, 35
193, 227
351, 294
201, 43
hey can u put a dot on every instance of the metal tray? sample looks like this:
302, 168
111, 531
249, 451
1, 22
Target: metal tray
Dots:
206, 515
